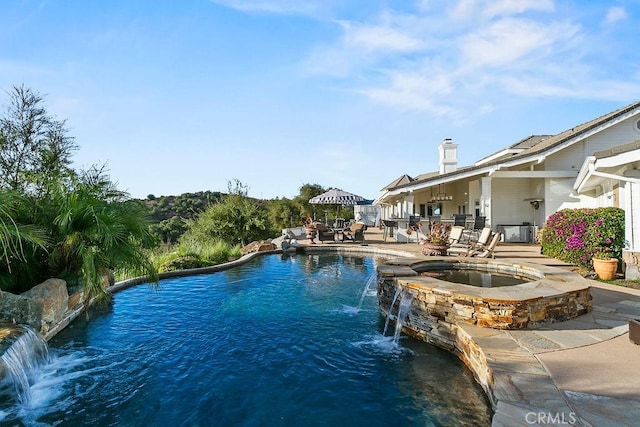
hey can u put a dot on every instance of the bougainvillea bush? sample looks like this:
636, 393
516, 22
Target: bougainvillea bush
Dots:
578, 235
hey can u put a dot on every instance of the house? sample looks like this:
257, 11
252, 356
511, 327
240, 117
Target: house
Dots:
594, 164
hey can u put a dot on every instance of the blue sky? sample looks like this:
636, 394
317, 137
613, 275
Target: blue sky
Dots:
185, 96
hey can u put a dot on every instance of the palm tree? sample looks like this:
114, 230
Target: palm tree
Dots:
97, 230
21, 244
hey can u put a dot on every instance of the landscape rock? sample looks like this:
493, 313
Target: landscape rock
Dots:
260, 246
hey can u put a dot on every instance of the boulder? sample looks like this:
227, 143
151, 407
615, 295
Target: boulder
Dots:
20, 309
281, 242
52, 299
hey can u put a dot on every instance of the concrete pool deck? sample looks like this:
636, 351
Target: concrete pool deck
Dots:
583, 371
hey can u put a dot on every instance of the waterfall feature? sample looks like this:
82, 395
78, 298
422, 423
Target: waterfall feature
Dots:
405, 297
27, 351
403, 312
389, 315
370, 281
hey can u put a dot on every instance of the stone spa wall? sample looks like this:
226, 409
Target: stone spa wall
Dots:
439, 307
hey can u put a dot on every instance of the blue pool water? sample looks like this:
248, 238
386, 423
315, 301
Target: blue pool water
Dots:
279, 341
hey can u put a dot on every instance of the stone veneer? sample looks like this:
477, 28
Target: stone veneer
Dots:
439, 308
552, 294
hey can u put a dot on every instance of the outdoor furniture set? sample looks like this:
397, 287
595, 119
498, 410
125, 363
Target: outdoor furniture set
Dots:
352, 233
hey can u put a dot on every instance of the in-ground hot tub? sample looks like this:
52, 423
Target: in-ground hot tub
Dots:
547, 294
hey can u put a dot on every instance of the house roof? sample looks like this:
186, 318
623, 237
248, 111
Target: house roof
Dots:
521, 152
618, 149
575, 131
605, 164
517, 148
404, 179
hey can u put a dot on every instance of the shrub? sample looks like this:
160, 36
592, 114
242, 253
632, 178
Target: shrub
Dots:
182, 263
193, 254
576, 235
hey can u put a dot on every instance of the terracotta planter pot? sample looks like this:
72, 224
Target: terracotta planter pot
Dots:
434, 249
605, 268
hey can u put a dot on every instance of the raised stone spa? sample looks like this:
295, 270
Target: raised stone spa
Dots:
453, 315
548, 294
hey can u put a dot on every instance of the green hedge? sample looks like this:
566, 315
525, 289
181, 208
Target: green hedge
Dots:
576, 235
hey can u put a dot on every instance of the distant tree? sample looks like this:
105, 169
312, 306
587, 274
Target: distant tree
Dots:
151, 197
283, 213
34, 147
235, 219
308, 191
169, 230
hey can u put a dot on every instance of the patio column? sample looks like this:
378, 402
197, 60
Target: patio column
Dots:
407, 206
485, 198
631, 254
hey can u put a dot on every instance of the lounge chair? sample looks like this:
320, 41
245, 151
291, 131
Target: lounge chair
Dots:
487, 251
325, 233
455, 236
463, 249
355, 233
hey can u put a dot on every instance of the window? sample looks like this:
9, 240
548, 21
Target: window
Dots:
433, 209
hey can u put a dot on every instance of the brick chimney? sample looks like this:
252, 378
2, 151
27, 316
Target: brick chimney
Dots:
448, 156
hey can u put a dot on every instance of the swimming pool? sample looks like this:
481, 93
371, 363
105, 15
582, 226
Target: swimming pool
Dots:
278, 341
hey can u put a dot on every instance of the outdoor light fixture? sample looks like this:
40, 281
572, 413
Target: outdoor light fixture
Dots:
441, 195
535, 205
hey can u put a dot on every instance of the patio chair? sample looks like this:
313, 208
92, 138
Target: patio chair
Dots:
388, 228
339, 223
325, 233
487, 251
460, 220
355, 233
479, 223
414, 226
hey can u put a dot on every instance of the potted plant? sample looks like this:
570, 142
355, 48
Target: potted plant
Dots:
310, 229
437, 241
604, 264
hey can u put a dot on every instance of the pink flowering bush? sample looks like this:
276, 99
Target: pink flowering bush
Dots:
578, 235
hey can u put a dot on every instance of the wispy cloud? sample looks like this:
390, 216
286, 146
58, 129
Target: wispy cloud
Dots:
426, 58
515, 41
615, 15
513, 7
284, 7
379, 38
